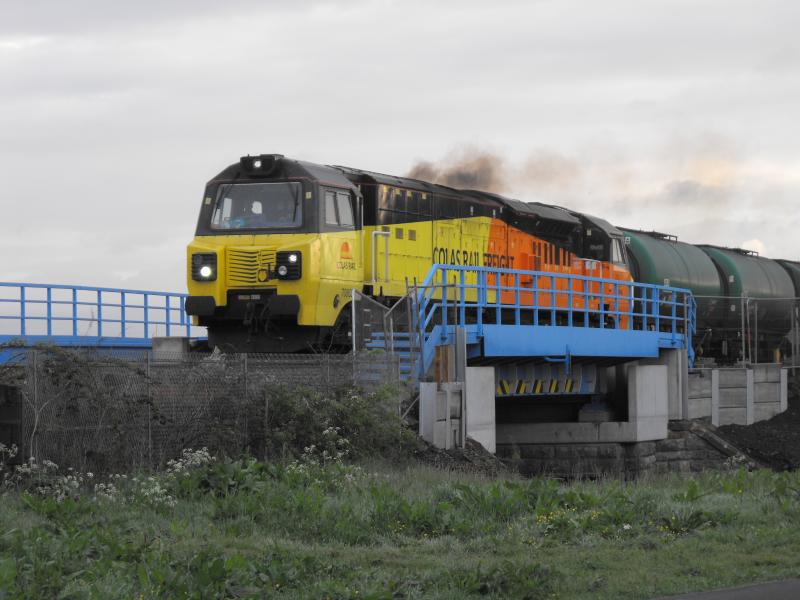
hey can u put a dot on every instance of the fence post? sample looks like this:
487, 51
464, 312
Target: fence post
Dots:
149, 413
99, 313
266, 423
741, 312
168, 312
146, 318
33, 438
22, 310
49, 310
794, 336
755, 334
244, 368
244, 402
353, 319
74, 312
123, 326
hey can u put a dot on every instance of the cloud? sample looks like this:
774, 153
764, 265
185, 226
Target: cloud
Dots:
693, 194
754, 244
113, 115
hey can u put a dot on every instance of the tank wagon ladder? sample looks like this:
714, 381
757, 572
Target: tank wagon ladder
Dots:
553, 316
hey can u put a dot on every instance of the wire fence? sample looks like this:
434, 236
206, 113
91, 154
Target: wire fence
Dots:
105, 412
740, 329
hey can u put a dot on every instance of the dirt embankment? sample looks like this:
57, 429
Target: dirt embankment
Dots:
474, 458
775, 442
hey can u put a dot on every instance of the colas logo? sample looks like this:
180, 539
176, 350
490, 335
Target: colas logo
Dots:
346, 261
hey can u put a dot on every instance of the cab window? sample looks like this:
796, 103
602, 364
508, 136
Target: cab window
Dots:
339, 210
330, 209
616, 251
345, 209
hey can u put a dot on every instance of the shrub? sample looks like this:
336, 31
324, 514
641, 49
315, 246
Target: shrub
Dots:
298, 419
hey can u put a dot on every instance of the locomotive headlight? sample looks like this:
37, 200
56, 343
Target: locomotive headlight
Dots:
289, 265
204, 266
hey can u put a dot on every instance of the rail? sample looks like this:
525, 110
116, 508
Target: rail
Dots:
453, 295
129, 317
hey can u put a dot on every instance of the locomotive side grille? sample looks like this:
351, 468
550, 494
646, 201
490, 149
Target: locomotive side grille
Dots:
243, 265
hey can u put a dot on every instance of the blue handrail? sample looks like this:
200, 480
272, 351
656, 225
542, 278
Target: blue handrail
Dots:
35, 310
504, 296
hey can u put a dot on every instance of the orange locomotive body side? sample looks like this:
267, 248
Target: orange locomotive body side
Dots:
521, 251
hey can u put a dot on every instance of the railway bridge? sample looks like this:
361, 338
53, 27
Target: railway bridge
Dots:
526, 363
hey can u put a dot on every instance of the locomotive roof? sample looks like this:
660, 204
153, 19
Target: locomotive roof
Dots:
348, 176
602, 224
287, 167
404, 182
529, 209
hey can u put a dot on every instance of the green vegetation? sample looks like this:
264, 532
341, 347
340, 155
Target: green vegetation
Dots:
339, 510
317, 527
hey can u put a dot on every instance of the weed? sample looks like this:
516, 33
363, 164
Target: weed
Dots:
319, 526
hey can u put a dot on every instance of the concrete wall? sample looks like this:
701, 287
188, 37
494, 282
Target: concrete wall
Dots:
688, 447
648, 409
480, 406
170, 348
440, 409
740, 396
677, 363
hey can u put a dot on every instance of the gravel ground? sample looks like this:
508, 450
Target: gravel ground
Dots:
775, 442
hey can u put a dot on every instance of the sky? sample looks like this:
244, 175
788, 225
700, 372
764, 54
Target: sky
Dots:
678, 116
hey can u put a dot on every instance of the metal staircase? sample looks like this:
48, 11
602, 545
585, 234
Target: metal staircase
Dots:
392, 330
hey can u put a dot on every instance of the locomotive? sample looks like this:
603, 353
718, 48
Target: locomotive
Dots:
280, 244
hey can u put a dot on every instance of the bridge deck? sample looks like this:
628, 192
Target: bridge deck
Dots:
512, 313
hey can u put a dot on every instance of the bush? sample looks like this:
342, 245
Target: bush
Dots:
299, 418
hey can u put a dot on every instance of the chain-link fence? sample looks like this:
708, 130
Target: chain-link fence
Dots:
734, 329
105, 412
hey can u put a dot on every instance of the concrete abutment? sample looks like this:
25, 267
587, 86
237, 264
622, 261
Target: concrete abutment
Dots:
652, 403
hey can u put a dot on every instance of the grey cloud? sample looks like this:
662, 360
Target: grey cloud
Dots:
679, 194
98, 16
116, 117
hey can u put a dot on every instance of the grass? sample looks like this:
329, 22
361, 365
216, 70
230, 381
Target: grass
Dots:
318, 527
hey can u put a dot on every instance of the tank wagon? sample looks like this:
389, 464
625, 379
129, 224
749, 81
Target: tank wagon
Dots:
280, 244
736, 291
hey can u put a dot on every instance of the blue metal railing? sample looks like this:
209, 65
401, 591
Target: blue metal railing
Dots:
454, 295
72, 313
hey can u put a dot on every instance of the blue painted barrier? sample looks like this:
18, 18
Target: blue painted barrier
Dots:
515, 313
72, 315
